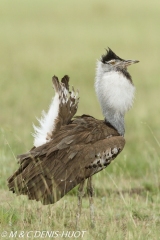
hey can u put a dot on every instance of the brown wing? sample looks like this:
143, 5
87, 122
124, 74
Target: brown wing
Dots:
80, 149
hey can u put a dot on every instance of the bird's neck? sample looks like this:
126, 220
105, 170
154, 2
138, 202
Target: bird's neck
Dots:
116, 120
115, 94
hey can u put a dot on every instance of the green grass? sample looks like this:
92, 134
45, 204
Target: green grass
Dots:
43, 38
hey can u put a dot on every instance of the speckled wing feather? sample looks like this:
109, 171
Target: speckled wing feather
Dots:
80, 149
68, 102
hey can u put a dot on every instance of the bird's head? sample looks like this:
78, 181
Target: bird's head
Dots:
113, 63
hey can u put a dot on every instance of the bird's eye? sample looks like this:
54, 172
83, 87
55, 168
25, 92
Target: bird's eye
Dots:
112, 62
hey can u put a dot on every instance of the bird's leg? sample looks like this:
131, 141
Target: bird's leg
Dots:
80, 195
90, 192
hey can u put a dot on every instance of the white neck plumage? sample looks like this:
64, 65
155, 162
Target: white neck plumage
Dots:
115, 93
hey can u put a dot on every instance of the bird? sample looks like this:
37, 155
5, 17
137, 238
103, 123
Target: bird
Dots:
68, 150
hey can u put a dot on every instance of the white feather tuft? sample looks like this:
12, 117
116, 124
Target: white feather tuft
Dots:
47, 123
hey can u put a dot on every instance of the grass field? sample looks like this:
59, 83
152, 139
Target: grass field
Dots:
43, 38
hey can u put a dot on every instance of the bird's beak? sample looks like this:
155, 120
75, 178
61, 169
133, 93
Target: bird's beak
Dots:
129, 62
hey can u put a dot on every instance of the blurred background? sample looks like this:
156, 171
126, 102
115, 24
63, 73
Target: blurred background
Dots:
43, 38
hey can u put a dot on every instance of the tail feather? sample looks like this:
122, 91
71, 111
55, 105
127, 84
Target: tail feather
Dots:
68, 100
65, 81
63, 107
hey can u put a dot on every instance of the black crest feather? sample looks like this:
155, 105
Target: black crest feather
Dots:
110, 55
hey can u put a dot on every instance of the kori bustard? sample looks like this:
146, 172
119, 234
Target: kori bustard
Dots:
68, 150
